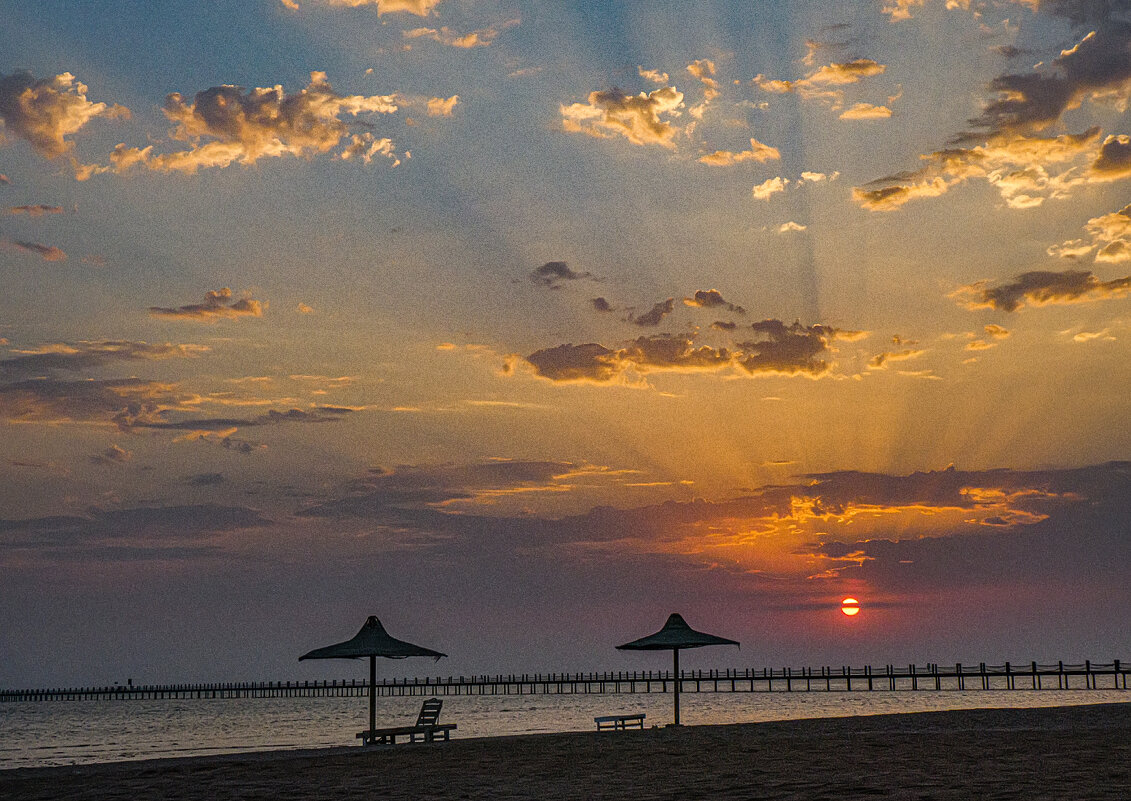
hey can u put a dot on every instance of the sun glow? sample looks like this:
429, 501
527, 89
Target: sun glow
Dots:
850, 606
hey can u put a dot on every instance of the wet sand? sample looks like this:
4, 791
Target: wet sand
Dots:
1066, 753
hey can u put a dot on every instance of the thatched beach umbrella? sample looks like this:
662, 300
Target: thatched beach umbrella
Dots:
675, 635
372, 641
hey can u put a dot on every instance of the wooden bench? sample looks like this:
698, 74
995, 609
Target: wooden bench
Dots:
614, 722
427, 728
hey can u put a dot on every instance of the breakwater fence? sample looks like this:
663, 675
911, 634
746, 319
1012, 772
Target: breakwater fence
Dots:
930, 677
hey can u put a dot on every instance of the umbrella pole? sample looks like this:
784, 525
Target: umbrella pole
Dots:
675, 655
372, 693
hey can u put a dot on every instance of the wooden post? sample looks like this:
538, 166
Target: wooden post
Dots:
675, 661
372, 694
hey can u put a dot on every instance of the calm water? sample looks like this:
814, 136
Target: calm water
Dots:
69, 733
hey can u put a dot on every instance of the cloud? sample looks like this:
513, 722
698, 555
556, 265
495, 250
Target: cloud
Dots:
139, 532
421, 8
37, 210
440, 107
602, 305
773, 348
4, 180
44, 112
770, 187
1041, 288
553, 273
225, 125
115, 454
1114, 160
758, 152
597, 364
218, 305
654, 76
1109, 235
384, 493
1003, 145
123, 402
866, 111
819, 177
711, 299
637, 118
847, 72
786, 350
466, 41
825, 83
704, 70
588, 362
881, 360
656, 314
89, 355
46, 252
791, 227
996, 331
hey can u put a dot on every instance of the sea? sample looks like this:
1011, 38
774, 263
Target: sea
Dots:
51, 733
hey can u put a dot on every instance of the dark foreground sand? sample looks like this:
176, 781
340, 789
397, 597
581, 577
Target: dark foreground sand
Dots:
1068, 753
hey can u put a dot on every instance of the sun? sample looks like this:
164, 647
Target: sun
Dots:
850, 607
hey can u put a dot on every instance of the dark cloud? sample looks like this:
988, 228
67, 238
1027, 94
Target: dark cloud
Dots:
724, 325
775, 348
206, 480
328, 414
384, 492
711, 299
1040, 288
125, 402
115, 454
602, 305
789, 350
46, 252
88, 355
144, 530
1009, 51
588, 362
553, 273
218, 305
1114, 159
46, 111
656, 314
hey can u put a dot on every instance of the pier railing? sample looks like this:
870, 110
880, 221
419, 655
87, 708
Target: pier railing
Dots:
931, 676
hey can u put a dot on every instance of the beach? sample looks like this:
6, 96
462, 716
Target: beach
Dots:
1071, 753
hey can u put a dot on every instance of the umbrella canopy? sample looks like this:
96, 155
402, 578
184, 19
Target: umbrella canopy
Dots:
674, 636
372, 641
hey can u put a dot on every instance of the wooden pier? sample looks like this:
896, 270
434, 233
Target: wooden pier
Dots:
917, 678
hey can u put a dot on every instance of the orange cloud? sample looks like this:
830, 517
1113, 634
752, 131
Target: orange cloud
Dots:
758, 152
218, 305
637, 118
224, 125
44, 112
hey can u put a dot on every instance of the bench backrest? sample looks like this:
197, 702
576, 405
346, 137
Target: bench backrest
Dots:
429, 712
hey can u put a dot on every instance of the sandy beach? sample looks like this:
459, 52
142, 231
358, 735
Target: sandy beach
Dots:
1071, 753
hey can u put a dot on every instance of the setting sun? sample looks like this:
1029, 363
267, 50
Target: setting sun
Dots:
850, 606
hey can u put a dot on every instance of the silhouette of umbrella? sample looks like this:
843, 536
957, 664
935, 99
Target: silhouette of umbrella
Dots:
675, 635
372, 641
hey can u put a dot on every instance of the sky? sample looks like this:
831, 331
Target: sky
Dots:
522, 325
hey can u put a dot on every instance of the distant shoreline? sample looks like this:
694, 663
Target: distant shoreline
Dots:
1069, 752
